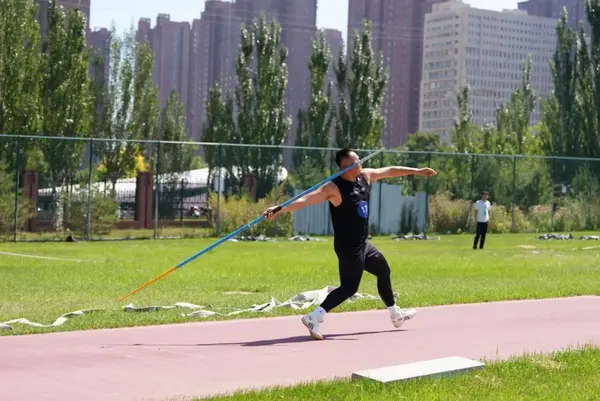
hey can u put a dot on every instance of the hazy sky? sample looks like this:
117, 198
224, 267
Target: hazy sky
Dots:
331, 13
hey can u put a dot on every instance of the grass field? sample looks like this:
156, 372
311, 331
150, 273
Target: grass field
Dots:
238, 275
569, 375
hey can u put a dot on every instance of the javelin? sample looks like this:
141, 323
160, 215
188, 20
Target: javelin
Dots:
245, 227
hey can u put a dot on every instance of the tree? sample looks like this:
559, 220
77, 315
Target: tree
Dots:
361, 88
219, 127
314, 123
126, 105
513, 118
560, 132
591, 132
19, 76
416, 152
67, 101
466, 140
260, 97
174, 158
465, 134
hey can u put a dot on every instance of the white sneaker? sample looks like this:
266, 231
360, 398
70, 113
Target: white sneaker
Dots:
402, 315
312, 324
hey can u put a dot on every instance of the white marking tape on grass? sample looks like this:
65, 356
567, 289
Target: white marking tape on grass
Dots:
302, 300
58, 322
22, 255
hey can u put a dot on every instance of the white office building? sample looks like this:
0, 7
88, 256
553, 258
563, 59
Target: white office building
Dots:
485, 50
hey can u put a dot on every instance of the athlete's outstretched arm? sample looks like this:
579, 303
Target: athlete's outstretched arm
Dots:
374, 174
315, 197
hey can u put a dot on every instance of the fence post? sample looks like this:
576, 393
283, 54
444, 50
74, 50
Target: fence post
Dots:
182, 194
218, 217
471, 191
327, 212
588, 220
277, 188
17, 182
553, 195
514, 197
380, 196
157, 190
427, 195
88, 229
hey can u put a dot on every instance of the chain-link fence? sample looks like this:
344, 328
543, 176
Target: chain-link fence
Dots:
89, 189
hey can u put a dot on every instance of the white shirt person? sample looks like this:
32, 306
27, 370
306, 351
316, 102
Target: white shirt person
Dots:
482, 217
482, 209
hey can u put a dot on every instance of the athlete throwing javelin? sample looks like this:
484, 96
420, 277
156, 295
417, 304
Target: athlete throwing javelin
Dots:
349, 196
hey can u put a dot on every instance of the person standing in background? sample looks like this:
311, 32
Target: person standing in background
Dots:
481, 215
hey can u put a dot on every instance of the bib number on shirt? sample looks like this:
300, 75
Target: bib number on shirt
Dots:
363, 209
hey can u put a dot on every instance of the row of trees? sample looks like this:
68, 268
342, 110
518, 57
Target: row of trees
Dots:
254, 111
46, 89
52, 84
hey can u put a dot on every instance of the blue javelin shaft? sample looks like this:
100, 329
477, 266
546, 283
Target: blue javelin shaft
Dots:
283, 205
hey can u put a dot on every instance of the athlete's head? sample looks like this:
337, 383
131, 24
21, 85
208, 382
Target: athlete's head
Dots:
484, 195
344, 158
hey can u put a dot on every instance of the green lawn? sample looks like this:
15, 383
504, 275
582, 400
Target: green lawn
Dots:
424, 273
571, 375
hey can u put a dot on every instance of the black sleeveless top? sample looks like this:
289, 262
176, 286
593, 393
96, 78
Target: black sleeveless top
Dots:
350, 219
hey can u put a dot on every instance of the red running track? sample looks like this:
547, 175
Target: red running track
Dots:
206, 358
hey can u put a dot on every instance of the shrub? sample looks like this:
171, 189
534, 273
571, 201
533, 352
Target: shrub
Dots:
7, 205
240, 209
501, 220
104, 211
572, 215
447, 215
539, 217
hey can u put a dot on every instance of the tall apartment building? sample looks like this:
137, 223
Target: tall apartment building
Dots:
398, 34
97, 41
554, 8
485, 50
170, 42
214, 45
82, 5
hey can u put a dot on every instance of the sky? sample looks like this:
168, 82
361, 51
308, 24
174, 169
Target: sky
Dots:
331, 14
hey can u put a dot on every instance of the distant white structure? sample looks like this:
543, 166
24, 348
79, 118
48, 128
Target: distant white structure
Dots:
485, 50
125, 187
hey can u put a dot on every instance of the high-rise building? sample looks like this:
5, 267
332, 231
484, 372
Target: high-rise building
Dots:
554, 8
170, 42
484, 50
82, 5
398, 34
97, 41
214, 44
